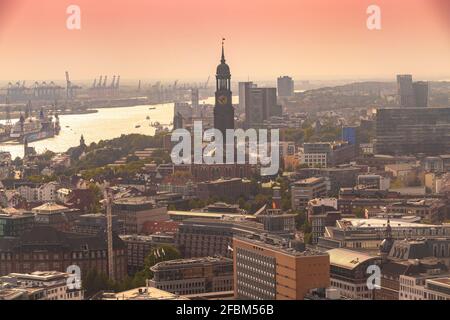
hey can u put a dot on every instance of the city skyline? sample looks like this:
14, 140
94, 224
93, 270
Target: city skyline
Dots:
225, 151
156, 40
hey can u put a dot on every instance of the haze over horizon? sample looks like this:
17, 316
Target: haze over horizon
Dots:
307, 39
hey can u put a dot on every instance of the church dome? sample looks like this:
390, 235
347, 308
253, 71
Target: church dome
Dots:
223, 70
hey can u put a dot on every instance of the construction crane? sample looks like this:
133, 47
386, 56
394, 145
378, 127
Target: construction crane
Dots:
108, 201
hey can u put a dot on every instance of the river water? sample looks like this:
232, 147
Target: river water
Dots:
107, 123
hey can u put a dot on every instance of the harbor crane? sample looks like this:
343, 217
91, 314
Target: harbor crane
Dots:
70, 88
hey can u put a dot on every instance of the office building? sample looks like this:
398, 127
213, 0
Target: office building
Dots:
139, 247
93, 223
244, 95
261, 105
45, 248
327, 154
230, 189
51, 285
348, 273
14, 223
405, 91
135, 211
307, 189
272, 268
200, 237
373, 181
437, 289
420, 89
285, 86
413, 131
367, 234
193, 276
350, 134
343, 176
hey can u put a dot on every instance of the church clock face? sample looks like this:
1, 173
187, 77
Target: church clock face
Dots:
222, 100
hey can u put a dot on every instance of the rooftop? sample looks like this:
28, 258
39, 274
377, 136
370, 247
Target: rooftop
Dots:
143, 293
441, 282
134, 200
380, 223
50, 207
191, 261
210, 215
311, 180
348, 259
282, 245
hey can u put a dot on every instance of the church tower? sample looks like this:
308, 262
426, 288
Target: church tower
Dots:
223, 109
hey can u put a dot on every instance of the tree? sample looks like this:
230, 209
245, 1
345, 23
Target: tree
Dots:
300, 218
95, 282
97, 197
158, 254
359, 212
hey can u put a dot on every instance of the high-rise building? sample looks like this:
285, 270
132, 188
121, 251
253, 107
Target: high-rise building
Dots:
272, 268
285, 86
420, 89
244, 94
195, 97
405, 91
412, 94
260, 106
223, 110
415, 130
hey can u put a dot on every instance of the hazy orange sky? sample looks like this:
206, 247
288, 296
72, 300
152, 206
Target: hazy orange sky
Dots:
180, 39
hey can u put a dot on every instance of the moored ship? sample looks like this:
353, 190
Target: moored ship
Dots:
32, 129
